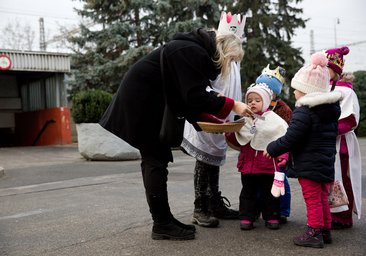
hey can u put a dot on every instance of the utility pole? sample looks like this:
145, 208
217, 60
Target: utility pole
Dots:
42, 40
312, 49
335, 31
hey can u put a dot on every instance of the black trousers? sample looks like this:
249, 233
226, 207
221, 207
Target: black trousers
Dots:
250, 205
155, 176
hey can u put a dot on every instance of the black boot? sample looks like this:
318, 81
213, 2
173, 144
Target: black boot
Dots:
201, 215
165, 225
313, 237
170, 231
204, 220
185, 226
219, 205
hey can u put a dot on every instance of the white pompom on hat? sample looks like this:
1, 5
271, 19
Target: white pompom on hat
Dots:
313, 77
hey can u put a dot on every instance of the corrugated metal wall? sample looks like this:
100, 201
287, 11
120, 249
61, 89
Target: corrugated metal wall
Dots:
45, 93
38, 61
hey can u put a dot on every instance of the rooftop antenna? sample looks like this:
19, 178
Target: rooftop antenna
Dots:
42, 40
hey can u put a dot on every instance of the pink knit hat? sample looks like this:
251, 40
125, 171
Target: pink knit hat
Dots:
313, 77
335, 58
263, 91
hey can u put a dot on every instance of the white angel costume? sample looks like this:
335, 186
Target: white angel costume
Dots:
207, 147
350, 106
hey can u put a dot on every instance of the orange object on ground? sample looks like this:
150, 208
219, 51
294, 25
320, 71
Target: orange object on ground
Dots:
43, 127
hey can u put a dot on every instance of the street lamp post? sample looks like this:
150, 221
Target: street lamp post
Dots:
335, 31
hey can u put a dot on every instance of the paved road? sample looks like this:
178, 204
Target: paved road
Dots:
53, 202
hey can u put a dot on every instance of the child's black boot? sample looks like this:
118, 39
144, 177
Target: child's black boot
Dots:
219, 206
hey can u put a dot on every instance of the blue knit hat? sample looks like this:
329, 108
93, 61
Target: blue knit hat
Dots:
273, 78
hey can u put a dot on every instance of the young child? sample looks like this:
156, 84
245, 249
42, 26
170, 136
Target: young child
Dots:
258, 172
275, 80
311, 141
336, 63
348, 165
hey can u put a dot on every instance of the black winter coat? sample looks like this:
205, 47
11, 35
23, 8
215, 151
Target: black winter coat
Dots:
311, 137
135, 113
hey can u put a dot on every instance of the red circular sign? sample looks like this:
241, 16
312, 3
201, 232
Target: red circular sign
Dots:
5, 62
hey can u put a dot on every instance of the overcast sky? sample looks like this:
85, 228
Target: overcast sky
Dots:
323, 15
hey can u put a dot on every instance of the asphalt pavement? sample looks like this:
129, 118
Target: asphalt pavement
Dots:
54, 202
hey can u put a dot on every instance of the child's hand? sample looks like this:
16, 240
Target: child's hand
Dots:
281, 162
242, 109
265, 153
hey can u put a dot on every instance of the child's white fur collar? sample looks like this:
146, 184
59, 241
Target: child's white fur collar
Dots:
318, 98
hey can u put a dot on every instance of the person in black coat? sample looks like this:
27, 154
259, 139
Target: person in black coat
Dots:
135, 114
311, 141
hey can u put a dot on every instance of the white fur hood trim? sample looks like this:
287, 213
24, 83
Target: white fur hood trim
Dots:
318, 98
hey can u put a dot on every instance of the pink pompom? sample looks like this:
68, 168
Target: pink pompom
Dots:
344, 50
319, 59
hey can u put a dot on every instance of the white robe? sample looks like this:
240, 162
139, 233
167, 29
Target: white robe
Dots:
207, 147
350, 106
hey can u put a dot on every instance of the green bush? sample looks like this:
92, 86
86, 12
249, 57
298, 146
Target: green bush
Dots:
359, 85
88, 106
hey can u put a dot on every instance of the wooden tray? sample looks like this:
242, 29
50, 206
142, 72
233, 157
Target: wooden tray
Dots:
219, 128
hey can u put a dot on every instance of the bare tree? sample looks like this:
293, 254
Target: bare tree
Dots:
17, 36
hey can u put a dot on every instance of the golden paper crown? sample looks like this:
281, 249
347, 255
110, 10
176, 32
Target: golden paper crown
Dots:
232, 24
278, 73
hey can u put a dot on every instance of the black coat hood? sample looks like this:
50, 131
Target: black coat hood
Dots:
207, 39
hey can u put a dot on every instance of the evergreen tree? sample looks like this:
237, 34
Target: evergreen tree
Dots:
269, 32
116, 36
359, 85
124, 31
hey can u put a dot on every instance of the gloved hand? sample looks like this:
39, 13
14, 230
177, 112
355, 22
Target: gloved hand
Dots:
282, 162
278, 186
